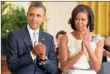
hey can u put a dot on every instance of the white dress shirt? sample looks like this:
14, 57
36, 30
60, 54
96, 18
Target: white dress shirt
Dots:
31, 31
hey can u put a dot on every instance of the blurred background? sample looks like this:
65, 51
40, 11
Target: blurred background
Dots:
13, 17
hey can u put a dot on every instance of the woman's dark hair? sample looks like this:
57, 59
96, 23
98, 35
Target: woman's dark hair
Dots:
82, 8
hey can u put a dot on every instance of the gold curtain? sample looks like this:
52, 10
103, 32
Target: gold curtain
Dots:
102, 16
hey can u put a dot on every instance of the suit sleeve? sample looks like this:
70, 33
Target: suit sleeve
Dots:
51, 63
14, 61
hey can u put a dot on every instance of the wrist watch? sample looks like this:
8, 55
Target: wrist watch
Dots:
43, 61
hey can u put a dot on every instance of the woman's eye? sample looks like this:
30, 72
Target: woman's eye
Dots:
83, 19
76, 19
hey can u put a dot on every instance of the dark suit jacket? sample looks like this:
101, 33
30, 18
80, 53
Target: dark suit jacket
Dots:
19, 59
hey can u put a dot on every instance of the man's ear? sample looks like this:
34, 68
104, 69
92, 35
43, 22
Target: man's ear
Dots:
26, 14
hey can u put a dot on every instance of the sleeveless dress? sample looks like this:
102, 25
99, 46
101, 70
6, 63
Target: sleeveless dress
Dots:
74, 47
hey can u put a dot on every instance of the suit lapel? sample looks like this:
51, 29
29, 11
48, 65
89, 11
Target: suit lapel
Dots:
27, 39
41, 37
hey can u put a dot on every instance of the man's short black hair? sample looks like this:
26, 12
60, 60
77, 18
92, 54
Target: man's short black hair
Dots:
38, 5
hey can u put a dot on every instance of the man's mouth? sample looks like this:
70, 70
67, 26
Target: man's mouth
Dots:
34, 23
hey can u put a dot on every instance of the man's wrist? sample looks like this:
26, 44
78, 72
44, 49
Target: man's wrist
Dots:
43, 59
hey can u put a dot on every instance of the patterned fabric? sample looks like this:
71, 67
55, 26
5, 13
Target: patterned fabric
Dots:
74, 47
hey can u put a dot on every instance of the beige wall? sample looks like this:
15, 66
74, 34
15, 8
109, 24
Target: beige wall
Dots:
58, 15
22, 4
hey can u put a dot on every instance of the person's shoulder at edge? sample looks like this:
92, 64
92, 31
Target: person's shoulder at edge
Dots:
18, 30
96, 38
65, 37
46, 34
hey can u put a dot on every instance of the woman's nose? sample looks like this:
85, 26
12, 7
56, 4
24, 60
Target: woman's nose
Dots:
79, 21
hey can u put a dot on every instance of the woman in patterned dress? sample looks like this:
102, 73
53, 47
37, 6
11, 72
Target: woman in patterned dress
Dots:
79, 51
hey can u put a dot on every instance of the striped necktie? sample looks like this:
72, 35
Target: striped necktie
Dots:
35, 38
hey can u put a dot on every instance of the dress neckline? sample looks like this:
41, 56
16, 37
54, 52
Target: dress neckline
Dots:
71, 33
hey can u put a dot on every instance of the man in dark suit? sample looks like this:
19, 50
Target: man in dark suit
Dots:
30, 50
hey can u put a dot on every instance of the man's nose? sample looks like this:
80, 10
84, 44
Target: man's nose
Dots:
34, 18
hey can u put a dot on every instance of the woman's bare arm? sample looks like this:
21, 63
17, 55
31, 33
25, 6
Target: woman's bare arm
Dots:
66, 62
96, 56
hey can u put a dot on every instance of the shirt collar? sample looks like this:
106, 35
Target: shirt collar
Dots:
31, 30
